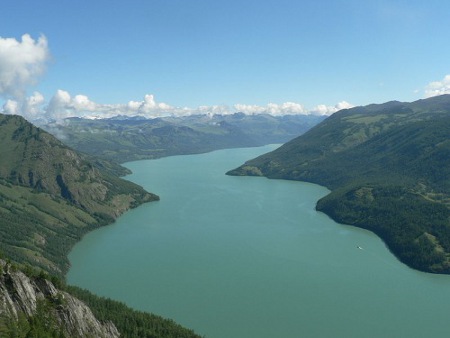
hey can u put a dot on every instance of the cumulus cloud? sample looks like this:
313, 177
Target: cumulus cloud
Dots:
438, 87
60, 106
30, 108
63, 105
150, 107
21, 64
287, 108
11, 107
322, 109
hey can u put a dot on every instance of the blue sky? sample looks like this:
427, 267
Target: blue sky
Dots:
223, 53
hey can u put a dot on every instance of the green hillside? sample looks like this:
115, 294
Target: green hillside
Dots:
50, 195
388, 167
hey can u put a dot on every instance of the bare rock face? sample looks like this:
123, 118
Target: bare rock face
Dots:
22, 294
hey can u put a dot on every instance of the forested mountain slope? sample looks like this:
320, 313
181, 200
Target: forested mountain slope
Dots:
388, 167
51, 195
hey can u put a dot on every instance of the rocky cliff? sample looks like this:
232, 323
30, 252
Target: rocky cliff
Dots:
30, 302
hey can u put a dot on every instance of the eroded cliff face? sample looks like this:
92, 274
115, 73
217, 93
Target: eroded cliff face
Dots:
28, 297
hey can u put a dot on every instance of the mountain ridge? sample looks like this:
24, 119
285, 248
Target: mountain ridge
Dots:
123, 139
51, 195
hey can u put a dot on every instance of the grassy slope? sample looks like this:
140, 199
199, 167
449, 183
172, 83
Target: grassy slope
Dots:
388, 169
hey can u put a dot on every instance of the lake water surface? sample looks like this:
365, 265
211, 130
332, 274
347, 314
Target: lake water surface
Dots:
250, 257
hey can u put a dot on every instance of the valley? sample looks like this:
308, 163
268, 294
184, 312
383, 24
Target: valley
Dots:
386, 166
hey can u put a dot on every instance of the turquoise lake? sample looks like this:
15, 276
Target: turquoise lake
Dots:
250, 257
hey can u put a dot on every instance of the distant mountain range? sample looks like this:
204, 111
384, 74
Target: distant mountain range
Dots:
123, 139
388, 166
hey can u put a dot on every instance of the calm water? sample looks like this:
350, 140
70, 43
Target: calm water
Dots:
250, 257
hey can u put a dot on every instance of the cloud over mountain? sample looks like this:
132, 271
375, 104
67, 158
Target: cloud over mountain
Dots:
438, 87
322, 109
286, 108
63, 105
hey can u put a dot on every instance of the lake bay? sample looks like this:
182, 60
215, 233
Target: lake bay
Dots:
250, 257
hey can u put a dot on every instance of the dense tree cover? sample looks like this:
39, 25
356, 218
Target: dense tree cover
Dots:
416, 229
396, 156
129, 322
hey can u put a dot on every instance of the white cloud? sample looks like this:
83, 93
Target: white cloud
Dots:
11, 107
438, 87
82, 103
21, 63
60, 106
207, 110
287, 108
63, 105
322, 109
30, 107
149, 107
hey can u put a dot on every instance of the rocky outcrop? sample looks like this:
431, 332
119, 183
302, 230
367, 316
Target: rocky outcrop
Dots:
22, 295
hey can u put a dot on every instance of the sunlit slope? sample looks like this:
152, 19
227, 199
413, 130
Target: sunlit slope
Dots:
388, 167
51, 195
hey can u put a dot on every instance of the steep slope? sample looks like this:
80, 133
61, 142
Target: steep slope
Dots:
50, 195
389, 168
125, 139
33, 306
